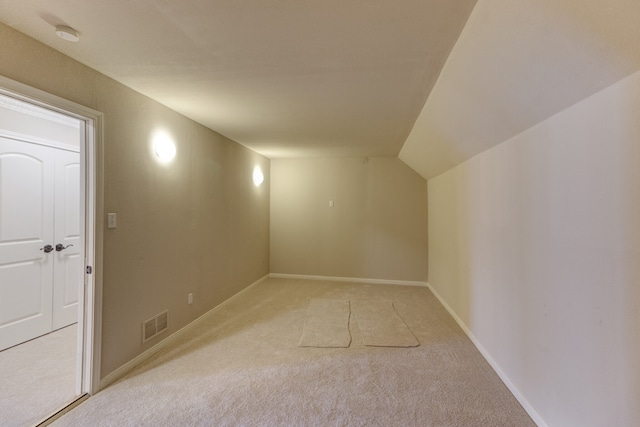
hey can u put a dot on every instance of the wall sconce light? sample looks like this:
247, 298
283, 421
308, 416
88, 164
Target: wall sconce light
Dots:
258, 176
163, 147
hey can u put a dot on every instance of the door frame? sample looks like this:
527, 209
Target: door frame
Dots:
91, 196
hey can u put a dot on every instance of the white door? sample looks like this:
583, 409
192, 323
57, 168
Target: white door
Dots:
26, 227
39, 206
67, 268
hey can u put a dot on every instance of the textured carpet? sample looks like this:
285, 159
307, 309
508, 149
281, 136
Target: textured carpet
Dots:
380, 325
326, 324
241, 366
37, 377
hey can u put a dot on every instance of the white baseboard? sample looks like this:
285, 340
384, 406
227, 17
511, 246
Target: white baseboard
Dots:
171, 339
348, 279
503, 376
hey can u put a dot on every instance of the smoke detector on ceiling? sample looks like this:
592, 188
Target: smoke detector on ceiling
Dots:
67, 33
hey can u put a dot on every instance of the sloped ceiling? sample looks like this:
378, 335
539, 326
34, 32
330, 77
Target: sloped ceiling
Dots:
327, 78
285, 78
517, 63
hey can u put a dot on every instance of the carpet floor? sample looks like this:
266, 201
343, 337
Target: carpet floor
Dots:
38, 377
240, 365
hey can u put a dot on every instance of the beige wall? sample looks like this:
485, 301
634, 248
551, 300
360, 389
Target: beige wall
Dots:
377, 228
535, 244
198, 225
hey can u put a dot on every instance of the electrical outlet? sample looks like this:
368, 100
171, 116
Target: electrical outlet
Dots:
190, 297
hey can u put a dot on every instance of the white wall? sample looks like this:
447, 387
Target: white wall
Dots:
24, 119
535, 245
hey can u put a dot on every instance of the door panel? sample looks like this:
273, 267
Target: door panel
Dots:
66, 289
21, 293
26, 226
23, 185
67, 277
68, 166
67, 271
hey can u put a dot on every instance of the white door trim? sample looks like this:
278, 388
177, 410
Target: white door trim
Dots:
91, 192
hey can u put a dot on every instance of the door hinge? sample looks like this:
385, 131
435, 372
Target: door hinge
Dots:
89, 269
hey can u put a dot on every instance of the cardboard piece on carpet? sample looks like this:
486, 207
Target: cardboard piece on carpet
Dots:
381, 326
326, 324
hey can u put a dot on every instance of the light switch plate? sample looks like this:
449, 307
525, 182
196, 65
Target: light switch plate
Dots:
111, 220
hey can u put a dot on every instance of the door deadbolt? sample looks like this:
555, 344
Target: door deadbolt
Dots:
61, 247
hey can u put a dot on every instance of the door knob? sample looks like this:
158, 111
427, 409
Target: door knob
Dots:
61, 247
47, 249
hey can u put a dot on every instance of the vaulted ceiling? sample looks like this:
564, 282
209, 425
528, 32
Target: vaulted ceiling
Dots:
283, 77
517, 63
432, 81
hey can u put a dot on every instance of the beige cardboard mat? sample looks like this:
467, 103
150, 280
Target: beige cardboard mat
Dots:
381, 326
326, 324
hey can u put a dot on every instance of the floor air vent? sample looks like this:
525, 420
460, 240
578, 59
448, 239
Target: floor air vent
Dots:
155, 325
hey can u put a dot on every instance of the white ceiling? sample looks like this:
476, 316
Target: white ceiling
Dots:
517, 63
307, 78
287, 78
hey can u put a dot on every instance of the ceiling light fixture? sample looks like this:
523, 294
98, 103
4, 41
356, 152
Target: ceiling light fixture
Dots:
67, 33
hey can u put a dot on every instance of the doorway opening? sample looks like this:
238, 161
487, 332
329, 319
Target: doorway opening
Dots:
50, 287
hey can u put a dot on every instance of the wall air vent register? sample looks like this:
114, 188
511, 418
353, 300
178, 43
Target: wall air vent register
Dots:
155, 326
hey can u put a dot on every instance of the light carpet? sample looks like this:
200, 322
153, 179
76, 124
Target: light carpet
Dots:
38, 377
326, 324
380, 325
241, 366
